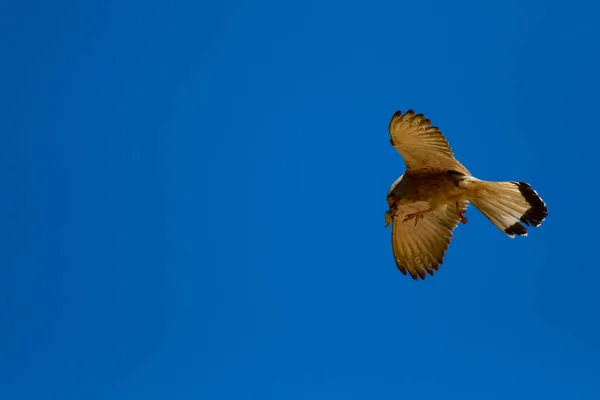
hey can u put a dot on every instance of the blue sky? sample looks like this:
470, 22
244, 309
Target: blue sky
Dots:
194, 200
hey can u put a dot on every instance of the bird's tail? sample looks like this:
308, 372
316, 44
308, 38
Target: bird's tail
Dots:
508, 204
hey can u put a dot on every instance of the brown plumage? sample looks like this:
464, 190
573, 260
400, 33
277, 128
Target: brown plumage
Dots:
429, 200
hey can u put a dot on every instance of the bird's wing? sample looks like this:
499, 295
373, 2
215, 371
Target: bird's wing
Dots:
422, 146
420, 249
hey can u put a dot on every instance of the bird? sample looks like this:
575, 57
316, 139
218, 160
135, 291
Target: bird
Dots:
427, 202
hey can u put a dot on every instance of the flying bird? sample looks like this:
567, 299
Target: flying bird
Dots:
428, 201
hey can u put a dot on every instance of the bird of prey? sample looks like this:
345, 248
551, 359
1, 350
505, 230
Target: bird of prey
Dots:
429, 200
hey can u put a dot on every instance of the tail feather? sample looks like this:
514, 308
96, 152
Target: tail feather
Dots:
510, 206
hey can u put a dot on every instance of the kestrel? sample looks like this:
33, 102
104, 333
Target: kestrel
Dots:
429, 200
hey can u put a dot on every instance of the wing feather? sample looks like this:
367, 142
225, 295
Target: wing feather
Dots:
419, 250
422, 146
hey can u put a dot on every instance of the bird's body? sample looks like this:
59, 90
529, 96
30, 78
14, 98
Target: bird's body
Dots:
433, 187
429, 200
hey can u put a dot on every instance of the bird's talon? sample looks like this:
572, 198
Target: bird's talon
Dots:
416, 217
389, 217
461, 217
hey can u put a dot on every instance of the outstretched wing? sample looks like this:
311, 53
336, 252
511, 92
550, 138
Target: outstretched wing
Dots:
422, 146
420, 249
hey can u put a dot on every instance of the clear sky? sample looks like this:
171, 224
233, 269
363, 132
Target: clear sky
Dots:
194, 195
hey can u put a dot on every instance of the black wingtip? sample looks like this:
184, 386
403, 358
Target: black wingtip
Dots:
420, 273
401, 268
410, 112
